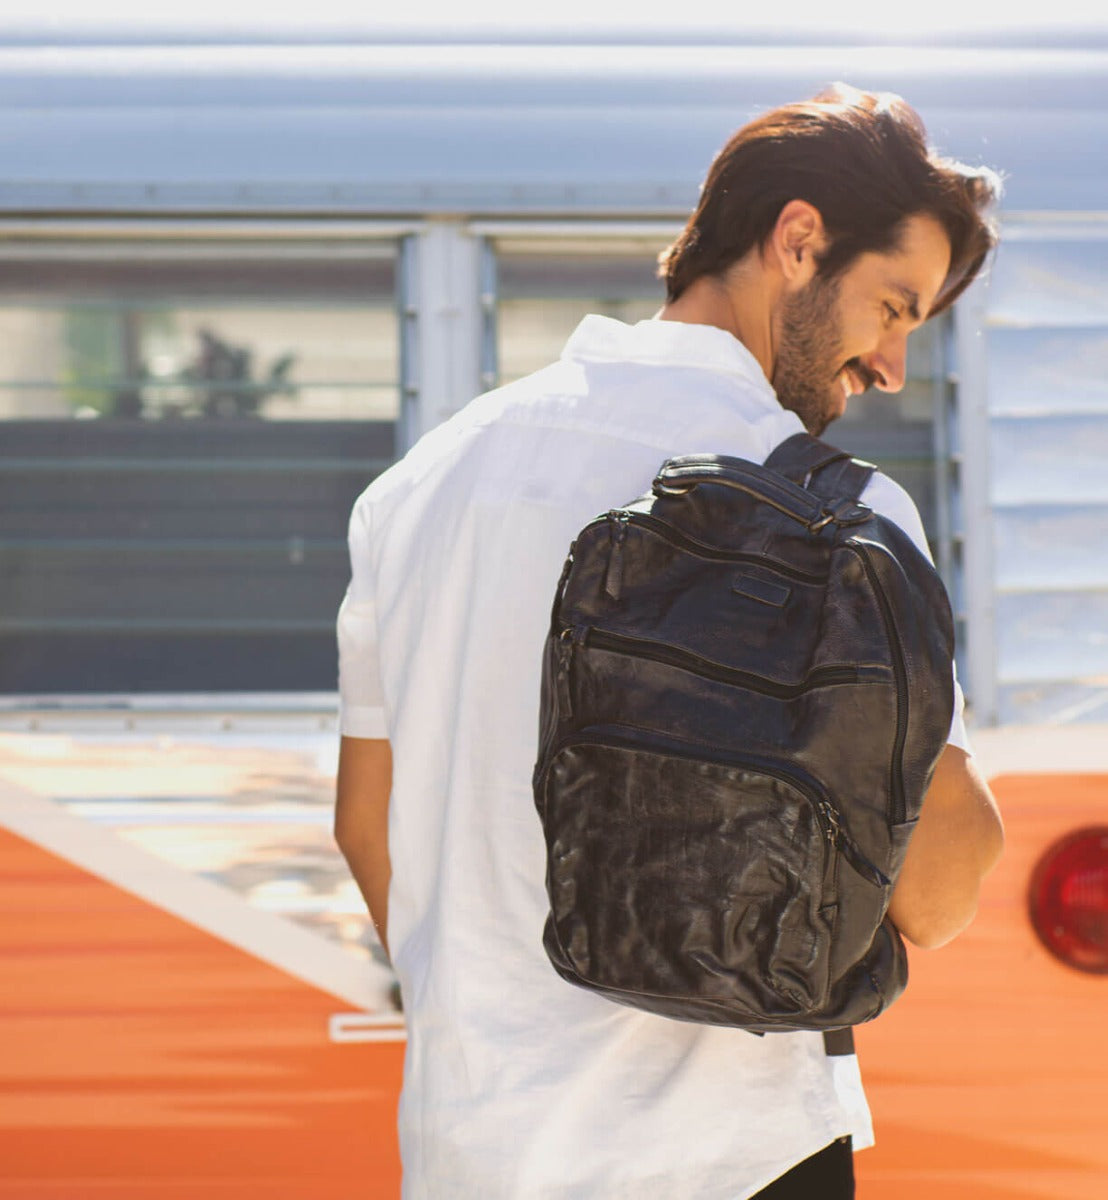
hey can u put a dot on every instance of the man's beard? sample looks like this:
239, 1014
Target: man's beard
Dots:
809, 362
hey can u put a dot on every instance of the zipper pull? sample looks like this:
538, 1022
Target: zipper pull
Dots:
834, 833
840, 839
617, 531
571, 638
565, 655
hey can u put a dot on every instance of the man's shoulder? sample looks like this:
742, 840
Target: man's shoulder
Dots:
447, 443
887, 497
672, 410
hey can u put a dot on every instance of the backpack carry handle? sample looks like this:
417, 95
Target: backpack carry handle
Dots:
820, 467
681, 475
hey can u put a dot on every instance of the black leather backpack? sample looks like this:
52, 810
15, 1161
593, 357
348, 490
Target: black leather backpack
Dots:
746, 686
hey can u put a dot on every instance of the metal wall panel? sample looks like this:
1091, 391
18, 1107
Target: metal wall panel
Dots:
1051, 460
495, 129
1056, 635
1060, 546
1045, 371
1046, 346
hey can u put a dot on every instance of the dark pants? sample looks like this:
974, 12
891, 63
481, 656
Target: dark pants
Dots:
828, 1175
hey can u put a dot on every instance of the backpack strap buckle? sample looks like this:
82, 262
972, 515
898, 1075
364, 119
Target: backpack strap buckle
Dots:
844, 512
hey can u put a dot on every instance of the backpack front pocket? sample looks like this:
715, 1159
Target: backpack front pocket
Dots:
676, 874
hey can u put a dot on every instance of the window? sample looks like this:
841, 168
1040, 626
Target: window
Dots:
186, 426
543, 292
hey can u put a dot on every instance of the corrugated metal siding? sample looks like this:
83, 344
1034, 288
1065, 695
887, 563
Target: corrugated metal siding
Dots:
176, 556
496, 129
1047, 349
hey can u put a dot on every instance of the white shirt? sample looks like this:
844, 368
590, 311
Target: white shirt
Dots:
517, 1084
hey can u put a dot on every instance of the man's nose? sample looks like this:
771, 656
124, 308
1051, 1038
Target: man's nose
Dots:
889, 364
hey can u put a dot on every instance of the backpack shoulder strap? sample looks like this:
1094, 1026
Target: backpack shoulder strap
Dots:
824, 470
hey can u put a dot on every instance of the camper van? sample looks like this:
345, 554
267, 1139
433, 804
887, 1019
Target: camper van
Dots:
237, 281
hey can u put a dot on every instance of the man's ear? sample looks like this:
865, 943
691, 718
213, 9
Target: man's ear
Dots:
797, 240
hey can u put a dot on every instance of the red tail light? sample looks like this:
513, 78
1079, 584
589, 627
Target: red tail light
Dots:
1069, 899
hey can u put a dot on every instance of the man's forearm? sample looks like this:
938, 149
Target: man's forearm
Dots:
957, 842
362, 822
372, 873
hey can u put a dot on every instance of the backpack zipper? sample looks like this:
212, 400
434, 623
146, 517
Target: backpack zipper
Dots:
617, 531
567, 640
827, 815
621, 643
619, 519
896, 774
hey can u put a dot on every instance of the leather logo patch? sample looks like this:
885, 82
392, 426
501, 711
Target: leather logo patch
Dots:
760, 589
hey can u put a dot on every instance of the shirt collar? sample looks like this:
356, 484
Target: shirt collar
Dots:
670, 344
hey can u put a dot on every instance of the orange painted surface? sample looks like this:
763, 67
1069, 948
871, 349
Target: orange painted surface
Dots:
988, 1080
141, 1057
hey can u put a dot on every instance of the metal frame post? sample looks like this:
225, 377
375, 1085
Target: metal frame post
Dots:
441, 326
977, 511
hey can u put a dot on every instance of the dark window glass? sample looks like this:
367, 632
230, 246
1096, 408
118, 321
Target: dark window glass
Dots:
185, 429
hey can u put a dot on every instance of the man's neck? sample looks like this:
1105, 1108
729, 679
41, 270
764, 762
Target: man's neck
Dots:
737, 304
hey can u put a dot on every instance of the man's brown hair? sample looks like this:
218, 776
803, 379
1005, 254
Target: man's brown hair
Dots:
862, 159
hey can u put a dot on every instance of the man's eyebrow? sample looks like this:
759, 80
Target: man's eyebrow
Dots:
911, 299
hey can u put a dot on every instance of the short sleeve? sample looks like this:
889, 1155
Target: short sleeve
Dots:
892, 501
362, 711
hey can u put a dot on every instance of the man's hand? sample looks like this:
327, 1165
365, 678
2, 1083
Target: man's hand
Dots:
957, 842
362, 822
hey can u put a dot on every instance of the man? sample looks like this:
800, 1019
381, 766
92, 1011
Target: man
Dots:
826, 233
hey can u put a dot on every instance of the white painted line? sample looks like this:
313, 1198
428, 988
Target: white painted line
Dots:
1082, 708
207, 905
366, 1027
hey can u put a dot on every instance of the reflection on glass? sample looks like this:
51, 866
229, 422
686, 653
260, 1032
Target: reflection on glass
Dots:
186, 429
220, 380
541, 298
532, 333
214, 338
92, 362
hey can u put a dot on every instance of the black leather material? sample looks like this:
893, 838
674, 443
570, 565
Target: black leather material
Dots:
746, 686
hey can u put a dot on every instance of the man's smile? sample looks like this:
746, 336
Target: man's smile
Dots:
854, 379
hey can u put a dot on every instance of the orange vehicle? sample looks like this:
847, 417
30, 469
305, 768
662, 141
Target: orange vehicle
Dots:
987, 1080
242, 272
174, 1024
162, 1037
